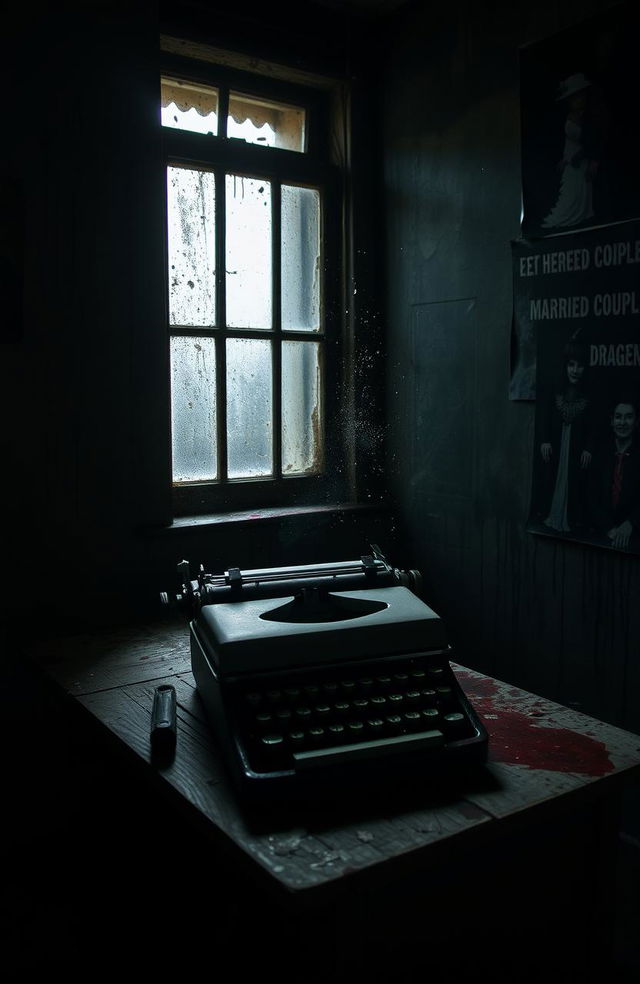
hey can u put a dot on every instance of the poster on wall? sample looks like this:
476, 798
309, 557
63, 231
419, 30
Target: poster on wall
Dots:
580, 296
579, 140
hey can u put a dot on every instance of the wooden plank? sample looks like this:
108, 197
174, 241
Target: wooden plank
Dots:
539, 750
88, 663
301, 849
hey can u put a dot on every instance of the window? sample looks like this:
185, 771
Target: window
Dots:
252, 220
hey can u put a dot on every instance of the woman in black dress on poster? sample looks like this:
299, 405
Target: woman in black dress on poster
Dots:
565, 446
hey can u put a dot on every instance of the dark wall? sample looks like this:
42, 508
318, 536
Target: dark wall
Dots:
557, 618
84, 378
85, 424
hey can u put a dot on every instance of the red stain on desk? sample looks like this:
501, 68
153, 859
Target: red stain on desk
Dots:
516, 739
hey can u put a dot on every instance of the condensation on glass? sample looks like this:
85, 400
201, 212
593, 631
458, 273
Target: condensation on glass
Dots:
193, 409
302, 415
248, 252
266, 123
300, 258
191, 242
249, 402
187, 106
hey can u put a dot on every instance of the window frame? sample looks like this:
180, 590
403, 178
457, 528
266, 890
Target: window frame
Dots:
313, 168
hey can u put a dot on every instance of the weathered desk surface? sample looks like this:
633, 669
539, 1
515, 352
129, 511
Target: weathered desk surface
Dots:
549, 768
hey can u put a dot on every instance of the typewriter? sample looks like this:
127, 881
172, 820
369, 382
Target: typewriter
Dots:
326, 677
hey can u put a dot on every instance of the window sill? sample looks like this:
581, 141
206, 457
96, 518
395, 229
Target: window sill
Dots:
198, 523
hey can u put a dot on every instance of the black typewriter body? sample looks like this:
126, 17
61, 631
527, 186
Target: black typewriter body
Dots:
328, 677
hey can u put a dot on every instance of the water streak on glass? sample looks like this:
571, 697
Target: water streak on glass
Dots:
248, 252
191, 237
302, 423
249, 402
193, 409
186, 106
300, 258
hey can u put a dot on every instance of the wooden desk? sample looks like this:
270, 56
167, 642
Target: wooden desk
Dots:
508, 874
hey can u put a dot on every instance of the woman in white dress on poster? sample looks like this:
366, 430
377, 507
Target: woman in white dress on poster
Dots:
579, 164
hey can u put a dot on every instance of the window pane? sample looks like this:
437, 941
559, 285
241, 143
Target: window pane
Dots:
302, 445
248, 250
193, 409
249, 392
300, 258
268, 124
186, 106
191, 234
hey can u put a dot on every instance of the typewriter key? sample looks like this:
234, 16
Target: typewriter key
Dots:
454, 720
303, 712
375, 723
355, 726
272, 741
322, 709
394, 719
297, 737
316, 733
396, 698
430, 713
413, 695
336, 729
360, 703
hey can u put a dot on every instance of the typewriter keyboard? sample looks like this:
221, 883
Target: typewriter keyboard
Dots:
316, 717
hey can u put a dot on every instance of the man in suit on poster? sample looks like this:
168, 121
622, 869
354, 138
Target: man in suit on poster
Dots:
614, 486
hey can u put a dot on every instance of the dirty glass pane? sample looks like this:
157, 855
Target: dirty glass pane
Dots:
193, 409
186, 106
300, 257
191, 235
302, 445
248, 252
249, 392
266, 123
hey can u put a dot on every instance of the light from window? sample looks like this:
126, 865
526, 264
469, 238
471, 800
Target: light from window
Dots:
223, 377
268, 124
191, 229
248, 252
193, 409
301, 408
249, 402
300, 258
186, 106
